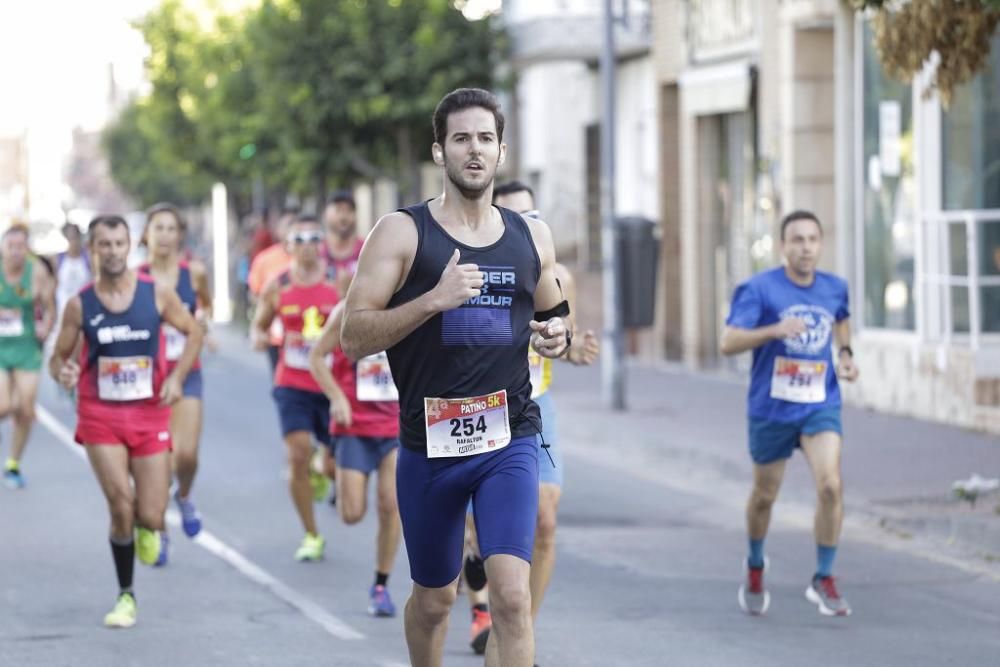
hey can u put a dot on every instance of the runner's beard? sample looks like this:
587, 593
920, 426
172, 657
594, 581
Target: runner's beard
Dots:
108, 272
469, 190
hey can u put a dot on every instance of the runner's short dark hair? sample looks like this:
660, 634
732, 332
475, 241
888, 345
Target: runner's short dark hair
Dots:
342, 197
795, 216
306, 219
465, 98
109, 221
510, 188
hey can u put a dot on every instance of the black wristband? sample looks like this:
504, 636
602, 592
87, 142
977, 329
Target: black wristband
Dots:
561, 310
847, 349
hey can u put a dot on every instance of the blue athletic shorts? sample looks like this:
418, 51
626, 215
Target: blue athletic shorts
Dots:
300, 410
772, 441
193, 384
361, 453
550, 471
433, 495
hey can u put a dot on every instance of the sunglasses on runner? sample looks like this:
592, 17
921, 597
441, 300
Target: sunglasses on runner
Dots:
306, 237
533, 213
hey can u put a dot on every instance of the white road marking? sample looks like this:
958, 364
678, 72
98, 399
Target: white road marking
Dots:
220, 549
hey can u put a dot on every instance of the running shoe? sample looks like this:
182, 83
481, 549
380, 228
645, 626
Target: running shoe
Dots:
161, 560
12, 476
753, 597
13, 479
311, 548
124, 613
379, 602
147, 545
481, 624
823, 593
190, 518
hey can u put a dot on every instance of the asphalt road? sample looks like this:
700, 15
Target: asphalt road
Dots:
648, 567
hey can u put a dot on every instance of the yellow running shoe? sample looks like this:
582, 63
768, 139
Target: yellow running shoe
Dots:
123, 615
147, 545
311, 549
319, 482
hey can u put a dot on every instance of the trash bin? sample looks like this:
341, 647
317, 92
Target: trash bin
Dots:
638, 250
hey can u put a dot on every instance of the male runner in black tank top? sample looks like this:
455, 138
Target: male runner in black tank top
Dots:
454, 290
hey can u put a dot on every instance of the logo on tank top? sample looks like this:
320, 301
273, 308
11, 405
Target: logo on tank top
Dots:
819, 325
121, 334
498, 287
485, 319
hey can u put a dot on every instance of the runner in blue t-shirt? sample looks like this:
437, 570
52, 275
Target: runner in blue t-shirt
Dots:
790, 316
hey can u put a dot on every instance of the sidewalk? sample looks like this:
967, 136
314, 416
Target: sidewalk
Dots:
689, 431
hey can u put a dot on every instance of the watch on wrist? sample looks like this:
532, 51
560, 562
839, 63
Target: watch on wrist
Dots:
847, 349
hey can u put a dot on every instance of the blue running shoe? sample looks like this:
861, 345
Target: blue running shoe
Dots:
161, 560
13, 479
379, 602
190, 519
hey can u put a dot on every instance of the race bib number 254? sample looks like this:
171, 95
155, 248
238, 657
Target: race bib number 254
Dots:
466, 426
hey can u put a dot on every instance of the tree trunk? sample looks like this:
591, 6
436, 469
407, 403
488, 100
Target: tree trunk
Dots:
320, 189
409, 168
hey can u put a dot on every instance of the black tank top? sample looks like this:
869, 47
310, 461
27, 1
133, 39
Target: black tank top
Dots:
478, 348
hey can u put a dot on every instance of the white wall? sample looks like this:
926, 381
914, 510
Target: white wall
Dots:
555, 105
637, 143
524, 10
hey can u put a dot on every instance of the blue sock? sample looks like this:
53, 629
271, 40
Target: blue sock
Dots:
824, 560
756, 558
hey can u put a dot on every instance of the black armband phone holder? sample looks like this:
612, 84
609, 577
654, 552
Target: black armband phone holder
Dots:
561, 310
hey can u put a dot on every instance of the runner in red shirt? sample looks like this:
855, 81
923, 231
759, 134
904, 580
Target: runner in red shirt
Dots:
364, 407
125, 392
302, 298
343, 244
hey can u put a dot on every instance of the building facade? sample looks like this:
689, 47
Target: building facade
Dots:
766, 106
555, 109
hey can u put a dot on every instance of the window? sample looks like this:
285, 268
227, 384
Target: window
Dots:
886, 172
970, 180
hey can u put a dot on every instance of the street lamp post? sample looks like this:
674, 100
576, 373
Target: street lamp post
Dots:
612, 361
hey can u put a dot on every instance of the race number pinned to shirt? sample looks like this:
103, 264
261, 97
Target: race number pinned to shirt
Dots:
799, 380
124, 378
297, 350
466, 426
175, 341
11, 323
375, 379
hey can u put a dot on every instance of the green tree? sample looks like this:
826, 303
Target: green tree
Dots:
300, 94
352, 83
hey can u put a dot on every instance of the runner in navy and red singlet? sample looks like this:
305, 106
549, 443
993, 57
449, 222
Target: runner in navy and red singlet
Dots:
125, 393
164, 237
455, 290
364, 411
303, 298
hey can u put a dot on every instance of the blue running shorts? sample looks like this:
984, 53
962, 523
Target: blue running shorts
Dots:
433, 495
550, 470
361, 453
772, 441
194, 384
300, 410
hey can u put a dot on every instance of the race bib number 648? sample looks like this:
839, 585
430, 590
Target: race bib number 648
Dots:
466, 426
